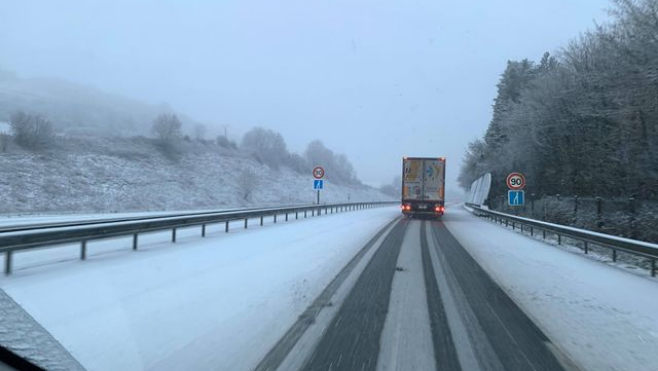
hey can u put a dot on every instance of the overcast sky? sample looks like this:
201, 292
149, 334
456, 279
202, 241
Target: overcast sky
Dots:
374, 79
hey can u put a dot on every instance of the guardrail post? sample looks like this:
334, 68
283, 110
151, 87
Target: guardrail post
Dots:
173, 235
543, 233
296, 212
586, 247
304, 214
559, 239
532, 231
513, 225
261, 221
614, 255
83, 250
313, 212
226, 228
274, 218
653, 267
135, 241
203, 230
246, 221
286, 216
8, 257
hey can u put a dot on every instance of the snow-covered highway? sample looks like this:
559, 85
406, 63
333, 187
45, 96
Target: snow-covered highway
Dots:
350, 291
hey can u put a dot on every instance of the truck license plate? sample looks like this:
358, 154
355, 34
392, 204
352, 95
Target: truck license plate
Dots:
422, 206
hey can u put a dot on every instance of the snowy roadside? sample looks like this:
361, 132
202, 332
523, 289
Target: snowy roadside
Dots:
604, 318
219, 302
627, 261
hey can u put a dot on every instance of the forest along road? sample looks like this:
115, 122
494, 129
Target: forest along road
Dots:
416, 301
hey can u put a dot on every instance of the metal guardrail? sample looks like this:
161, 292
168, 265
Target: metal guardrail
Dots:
639, 248
83, 232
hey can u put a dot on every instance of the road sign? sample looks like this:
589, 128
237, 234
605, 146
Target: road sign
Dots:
318, 172
516, 198
515, 181
318, 184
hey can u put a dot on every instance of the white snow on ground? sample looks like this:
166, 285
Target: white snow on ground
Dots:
604, 318
214, 303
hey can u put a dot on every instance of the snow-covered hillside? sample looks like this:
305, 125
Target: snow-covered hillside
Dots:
132, 174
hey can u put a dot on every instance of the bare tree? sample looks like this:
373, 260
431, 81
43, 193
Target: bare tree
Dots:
223, 141
247, 183
339, 168
267, 146
394, 188
167, 129
4, 141
31, 130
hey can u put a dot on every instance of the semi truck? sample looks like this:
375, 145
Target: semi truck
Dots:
423, 186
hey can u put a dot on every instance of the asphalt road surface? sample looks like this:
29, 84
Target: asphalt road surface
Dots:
416, 301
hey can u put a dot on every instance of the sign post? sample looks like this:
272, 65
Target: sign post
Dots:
516, 195
318, 183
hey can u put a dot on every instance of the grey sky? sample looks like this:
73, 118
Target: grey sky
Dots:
374, 79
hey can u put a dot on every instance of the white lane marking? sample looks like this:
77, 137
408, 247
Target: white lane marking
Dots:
406, 342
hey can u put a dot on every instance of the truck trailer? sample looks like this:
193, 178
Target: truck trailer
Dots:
423, 186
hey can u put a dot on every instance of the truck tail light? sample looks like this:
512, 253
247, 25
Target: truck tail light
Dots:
406, 207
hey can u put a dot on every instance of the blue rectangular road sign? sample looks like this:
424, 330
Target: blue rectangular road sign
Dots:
318, 184
516, 198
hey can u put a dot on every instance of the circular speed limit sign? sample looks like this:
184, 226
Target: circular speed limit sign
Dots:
515, 181
318, 172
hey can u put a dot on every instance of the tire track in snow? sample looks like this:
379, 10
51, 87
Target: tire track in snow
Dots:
445, 352
275, 357
352, 340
